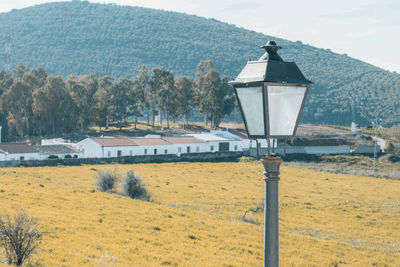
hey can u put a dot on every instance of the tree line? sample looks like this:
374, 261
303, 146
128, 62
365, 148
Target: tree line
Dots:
34, 102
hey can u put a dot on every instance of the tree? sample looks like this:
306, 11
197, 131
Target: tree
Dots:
6, 81
119, 99
140, 91
82, 90
202, 100
20, 70
154, 92
17, 102
19, 237
223, 102
54, 107
214, 96
185, 96
167, 101
35, 78
103, 101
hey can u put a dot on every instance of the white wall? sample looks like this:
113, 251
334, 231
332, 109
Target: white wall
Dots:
140, 150
202, 147
240, 144
27, 156
90, 149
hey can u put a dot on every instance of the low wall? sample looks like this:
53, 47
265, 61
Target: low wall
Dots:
191, 157
366, 149
10, 163
312, 150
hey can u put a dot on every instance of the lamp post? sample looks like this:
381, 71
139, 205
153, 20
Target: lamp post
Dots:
271, 94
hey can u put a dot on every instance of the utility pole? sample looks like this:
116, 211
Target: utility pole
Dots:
353, 115
377, 127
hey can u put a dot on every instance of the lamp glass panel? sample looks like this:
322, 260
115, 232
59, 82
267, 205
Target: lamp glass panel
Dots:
284, 104
251, 101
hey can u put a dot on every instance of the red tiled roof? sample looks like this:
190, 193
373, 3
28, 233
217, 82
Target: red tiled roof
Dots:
114, 141
182, 139
149, 141
16, 148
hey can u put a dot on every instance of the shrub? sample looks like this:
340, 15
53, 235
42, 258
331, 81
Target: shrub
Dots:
19, 237
134, 188
106, 180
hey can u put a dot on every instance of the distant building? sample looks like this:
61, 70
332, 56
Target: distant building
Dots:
186, 144
18, 151
236, 141
213, 143
152, 146
107, 147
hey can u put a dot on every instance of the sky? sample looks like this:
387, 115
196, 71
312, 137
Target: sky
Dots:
368, 30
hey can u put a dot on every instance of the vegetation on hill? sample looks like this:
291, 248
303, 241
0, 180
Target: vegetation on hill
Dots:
79, 37
199, 216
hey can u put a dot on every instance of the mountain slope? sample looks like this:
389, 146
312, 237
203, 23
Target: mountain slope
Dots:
81, 37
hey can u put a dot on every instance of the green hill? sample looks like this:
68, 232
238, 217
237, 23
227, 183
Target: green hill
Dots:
81, 37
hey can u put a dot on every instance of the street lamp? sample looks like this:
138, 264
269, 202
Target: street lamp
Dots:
271, 94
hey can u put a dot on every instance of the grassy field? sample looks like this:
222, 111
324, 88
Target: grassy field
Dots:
196, 218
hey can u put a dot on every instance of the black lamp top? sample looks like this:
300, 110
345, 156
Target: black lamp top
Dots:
272, 51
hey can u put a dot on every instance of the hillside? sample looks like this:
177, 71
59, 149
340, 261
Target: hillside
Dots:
325, 219
81, 37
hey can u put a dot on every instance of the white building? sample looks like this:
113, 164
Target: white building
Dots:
214, 143
235, 142
152, 146
18, 151
186, 144
106, 147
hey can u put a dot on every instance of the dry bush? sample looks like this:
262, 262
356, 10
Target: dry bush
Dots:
107, 180
19, 237
134, 188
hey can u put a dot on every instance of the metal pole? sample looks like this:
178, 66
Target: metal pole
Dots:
375, 142
271, 165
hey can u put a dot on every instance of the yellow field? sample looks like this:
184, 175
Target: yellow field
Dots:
325, 219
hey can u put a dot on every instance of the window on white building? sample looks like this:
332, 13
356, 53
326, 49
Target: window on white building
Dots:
130, 152
211, 148
109, 153
145, 151
197, 149
166, 151
235, 147
188, 149
179, 149
155, 151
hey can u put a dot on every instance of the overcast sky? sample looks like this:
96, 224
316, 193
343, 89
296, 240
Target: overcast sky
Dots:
368, 30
